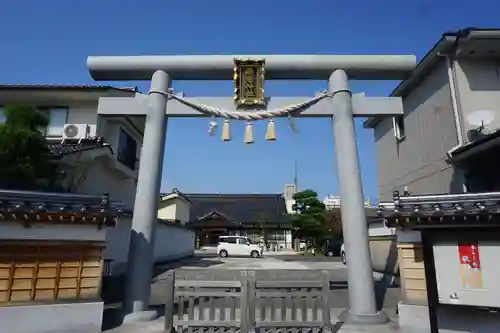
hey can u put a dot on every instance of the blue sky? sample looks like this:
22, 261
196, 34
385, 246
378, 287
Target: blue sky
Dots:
48, 42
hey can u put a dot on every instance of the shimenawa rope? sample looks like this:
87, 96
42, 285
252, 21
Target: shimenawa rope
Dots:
248, 115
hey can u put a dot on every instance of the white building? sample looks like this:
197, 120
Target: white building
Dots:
288, 193
98, 155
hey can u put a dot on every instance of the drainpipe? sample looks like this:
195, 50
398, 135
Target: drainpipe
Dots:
454, 102
456, 111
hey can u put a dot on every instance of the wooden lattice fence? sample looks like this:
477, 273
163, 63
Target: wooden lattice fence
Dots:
248, 304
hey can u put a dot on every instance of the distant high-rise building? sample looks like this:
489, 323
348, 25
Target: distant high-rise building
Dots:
332, 201
288, 193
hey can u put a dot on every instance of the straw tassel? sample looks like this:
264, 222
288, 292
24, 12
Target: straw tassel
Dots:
226, 131
212, 129
271, 130
249, 133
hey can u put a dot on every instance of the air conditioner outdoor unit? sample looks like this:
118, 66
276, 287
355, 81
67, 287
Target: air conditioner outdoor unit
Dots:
78, 131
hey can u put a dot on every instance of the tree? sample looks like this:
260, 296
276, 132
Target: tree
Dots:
309, 220
24, 155
334, 222
263, 225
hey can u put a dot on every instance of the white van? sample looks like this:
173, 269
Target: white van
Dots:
342, 254
237, 246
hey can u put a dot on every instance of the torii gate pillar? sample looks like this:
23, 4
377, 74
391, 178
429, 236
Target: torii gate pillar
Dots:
142, 235
362, 303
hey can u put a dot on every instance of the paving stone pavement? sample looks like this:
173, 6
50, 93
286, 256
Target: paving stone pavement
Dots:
156, 326
339, 297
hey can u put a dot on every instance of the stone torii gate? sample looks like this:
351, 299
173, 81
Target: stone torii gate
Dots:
339, 104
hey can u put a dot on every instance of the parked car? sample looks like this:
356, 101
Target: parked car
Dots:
332, 247
237, 246
342, 254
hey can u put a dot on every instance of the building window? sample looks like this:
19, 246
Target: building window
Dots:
57, 117
399, 127
127, 149
230, 240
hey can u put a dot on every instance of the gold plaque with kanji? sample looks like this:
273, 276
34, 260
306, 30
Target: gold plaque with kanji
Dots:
249, 82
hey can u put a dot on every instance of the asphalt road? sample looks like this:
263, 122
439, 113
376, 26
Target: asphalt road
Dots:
387, 296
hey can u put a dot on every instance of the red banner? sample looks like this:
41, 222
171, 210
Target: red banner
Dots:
470, 265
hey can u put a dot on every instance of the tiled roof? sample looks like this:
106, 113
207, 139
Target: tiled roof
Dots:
483, 139
59, 149
66, 87
432, 210
30, 205
239, 208
174, 191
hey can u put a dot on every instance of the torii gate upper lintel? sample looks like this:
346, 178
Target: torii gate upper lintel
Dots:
340, 105
278, 67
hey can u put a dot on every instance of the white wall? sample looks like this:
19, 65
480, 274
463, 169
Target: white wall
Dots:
451, 318
173, 242
117, 244
449, 276
53, 318
380, 229
85, 112
51, 231
182, 212
478, 85
175, 208
82, 114
101, 178
168, 211
383, 247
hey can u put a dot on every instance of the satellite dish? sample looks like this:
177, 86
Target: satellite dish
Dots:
481, 118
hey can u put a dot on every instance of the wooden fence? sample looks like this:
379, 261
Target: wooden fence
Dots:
247, 305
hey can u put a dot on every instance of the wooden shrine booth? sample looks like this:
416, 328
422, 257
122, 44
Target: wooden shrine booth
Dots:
448, 249
51, 250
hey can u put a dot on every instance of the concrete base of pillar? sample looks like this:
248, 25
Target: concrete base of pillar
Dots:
348, 317
141, 316
390, 327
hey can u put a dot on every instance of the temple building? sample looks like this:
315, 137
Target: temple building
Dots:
258, 216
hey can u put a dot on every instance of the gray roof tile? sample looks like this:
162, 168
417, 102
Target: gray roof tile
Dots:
59, 149
23, 204
442, 209
66, 87
239, 208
